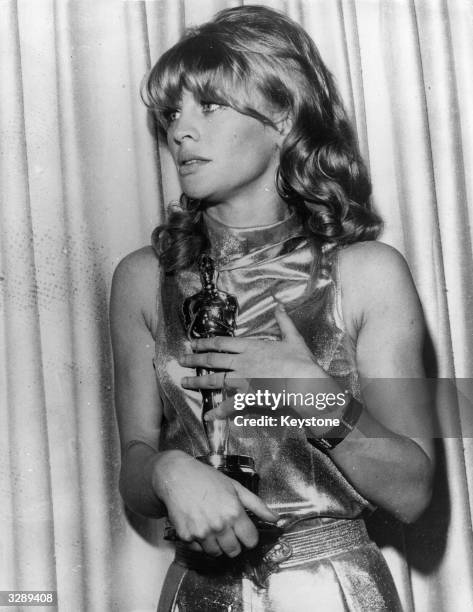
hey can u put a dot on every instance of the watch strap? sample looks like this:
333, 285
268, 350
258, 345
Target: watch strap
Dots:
337, 434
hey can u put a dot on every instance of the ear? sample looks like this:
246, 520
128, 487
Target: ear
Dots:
283, 124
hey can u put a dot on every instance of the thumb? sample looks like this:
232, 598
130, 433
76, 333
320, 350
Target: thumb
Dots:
252, 502
227, 407
222, 411
286, 325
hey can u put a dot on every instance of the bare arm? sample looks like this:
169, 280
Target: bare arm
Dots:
389, 455
137, 402
206, 507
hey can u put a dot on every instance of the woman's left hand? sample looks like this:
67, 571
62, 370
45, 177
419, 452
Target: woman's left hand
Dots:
234, 361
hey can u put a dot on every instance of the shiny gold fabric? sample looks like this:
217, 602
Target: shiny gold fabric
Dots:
262, 266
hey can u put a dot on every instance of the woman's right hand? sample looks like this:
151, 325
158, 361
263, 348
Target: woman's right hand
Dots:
207, 508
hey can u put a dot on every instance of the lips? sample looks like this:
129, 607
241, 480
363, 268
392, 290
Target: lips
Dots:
194, 161
188, 163
186, 156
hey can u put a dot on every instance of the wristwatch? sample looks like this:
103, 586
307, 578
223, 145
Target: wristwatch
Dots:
337, 434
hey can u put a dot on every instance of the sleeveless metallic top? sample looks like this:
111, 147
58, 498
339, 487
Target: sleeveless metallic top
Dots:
261, 265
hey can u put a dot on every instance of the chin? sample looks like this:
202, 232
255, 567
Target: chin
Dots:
195, 192
200, 194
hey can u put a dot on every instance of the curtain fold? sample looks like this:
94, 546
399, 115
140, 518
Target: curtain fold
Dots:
29, 513
84, 181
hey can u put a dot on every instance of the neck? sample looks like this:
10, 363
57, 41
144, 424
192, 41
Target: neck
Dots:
230, 243
260, 212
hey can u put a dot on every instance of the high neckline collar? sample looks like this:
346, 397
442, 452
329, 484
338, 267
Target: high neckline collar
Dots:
229, 244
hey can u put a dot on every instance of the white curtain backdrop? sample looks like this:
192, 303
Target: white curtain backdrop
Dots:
83, 182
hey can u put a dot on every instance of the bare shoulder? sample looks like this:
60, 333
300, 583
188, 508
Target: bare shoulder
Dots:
137, 267
135, 284
372, 260
375, 277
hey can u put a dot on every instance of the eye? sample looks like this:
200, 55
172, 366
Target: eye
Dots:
170, 115
210, 107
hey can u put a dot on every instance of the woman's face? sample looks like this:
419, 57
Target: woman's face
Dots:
221, 155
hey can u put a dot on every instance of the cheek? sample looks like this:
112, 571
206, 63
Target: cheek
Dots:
251, 142
171, 147
241, 146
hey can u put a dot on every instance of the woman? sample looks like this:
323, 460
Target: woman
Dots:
275, 190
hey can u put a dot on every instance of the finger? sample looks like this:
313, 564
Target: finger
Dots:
209, 381
228, 406
194, 545
210, 361
222, 344
245, 531
235, 383
286, 325
252, 502
210, 546
229, 544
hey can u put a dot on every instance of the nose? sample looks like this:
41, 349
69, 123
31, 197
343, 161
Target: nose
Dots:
185, 127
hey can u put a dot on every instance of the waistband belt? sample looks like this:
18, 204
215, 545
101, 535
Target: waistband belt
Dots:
292, 549
318, 542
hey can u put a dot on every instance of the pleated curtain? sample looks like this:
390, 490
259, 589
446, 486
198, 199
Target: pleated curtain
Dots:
84, 181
